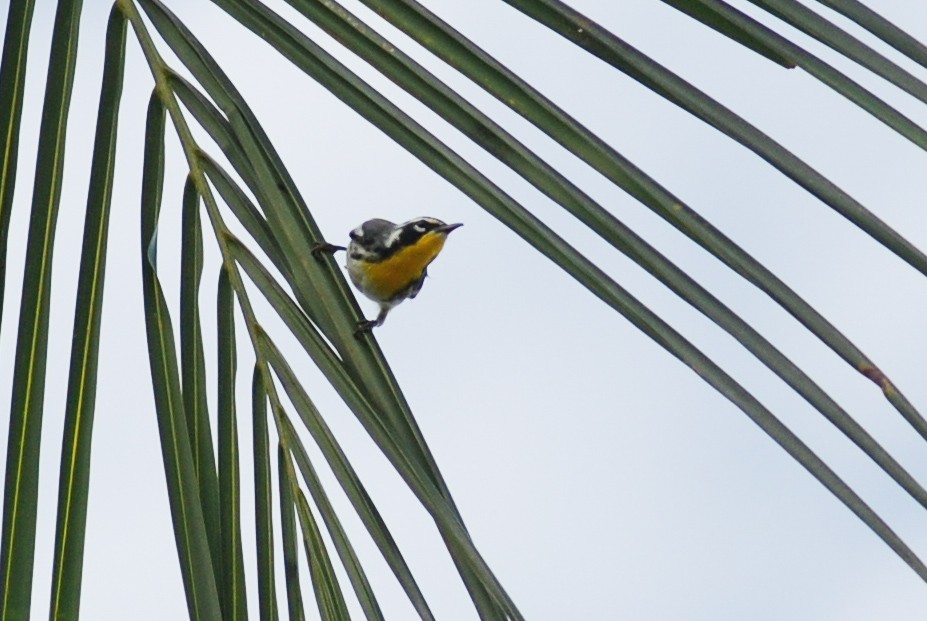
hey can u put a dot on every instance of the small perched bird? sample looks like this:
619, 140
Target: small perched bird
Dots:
389, 262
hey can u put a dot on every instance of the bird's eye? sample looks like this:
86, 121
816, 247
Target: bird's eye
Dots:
355, 234
419, 227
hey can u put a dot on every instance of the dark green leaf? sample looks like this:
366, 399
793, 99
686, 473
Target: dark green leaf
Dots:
328, 594
232, 567
349, 559
812, 24
17, 548
196, 563
713, 19
287, 480
603, 44
13, 78
74, 476
263, 500
880, 27
193, 368
245, 211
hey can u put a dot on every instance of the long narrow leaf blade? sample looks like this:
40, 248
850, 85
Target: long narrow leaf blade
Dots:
603, 44
328, 594
349, 559
13, 78
731, 29
193, 368
17, 548
263, 500
247, 214
232, 574
812, 24
74, 476
286, 477
196, 563
816, 67
880, 27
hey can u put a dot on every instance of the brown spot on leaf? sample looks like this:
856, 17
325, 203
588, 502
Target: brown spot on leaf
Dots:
876, 375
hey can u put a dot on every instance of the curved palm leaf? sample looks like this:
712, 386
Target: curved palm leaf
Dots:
463, 55
881, 27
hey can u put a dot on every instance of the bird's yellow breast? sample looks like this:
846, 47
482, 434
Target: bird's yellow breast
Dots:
386, 278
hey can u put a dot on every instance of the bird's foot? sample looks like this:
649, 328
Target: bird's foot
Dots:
325, 247
366, 326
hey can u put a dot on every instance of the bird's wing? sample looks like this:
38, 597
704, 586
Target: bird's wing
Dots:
416, 286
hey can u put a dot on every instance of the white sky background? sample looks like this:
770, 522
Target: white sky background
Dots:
600, 478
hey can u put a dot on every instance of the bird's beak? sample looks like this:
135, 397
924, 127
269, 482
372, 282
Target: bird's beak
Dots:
447, 228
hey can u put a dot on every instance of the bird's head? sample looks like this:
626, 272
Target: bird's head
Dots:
383, 238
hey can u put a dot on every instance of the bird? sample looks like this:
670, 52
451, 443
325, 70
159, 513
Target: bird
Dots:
388, 262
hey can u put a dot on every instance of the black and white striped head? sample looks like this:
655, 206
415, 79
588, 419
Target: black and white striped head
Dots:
381, 238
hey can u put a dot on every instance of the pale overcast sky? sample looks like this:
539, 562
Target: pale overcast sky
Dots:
600, 477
